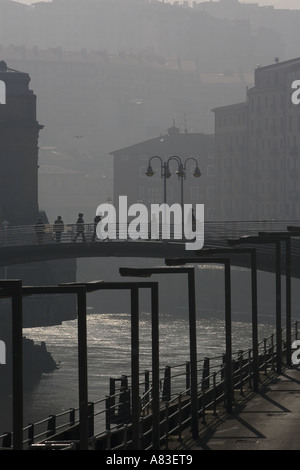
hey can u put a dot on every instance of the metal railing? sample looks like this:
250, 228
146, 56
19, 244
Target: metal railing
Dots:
214, 232
110, 417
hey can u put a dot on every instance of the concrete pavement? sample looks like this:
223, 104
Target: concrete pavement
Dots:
268, 420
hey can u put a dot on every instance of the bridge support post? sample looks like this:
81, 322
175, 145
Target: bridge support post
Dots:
228, 341
82, 369
13, 289
147, 272
17, 366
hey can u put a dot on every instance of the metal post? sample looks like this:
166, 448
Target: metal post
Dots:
82, 369
17, 352
155, 367
288, 302
144, 272
80, 290
135, 367
193, 352
278, 306
165, 182
252, 253
228, 370
182, 210
254, 320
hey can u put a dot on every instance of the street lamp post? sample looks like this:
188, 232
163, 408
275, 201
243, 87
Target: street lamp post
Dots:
181, 173
165, 173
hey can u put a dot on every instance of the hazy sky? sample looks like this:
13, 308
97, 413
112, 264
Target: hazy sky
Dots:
292, 4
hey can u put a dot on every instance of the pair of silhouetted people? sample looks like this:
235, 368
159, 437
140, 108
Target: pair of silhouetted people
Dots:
40, 229
58, 228
80, 232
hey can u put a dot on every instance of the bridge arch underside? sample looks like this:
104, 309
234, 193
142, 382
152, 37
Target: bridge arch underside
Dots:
266, 254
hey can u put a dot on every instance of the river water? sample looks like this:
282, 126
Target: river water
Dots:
109, 355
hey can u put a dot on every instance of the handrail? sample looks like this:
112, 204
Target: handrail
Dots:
211, 392
215, 231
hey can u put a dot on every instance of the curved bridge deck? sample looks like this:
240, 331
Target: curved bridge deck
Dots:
19, 245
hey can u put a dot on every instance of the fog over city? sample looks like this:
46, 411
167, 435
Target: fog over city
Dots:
117, 106
128, 77
292, 4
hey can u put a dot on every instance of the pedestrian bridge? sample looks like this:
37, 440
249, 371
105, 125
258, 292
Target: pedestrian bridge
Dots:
19, 245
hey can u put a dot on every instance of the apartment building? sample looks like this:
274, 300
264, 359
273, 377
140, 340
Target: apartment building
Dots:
257, 145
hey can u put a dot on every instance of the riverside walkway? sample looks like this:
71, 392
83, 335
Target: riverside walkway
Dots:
162, 415
268, 420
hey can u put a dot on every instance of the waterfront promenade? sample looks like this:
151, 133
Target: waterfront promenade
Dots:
268, 420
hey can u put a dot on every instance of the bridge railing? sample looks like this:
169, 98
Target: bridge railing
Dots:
214, 232
111, 415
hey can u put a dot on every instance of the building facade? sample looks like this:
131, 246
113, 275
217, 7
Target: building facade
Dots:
19, 202
19, 132
257, 148
131, 164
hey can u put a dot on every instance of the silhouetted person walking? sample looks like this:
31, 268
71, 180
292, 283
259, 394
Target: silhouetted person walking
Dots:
40, 230
193, 221
80, 228
97, 219
58, 228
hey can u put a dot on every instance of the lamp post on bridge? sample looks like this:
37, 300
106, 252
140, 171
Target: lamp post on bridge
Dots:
181, 173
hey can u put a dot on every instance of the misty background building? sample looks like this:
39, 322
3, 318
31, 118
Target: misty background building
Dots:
131, 164
112, 75
257, 149
19, 135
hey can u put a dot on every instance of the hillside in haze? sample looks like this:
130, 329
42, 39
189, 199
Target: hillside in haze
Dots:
108, 74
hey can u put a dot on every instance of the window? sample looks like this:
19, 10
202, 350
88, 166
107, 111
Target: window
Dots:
210, 170
210, 192
143, 172
195, 193
142, 193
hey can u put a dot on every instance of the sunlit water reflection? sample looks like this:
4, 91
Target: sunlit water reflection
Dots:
109, 346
